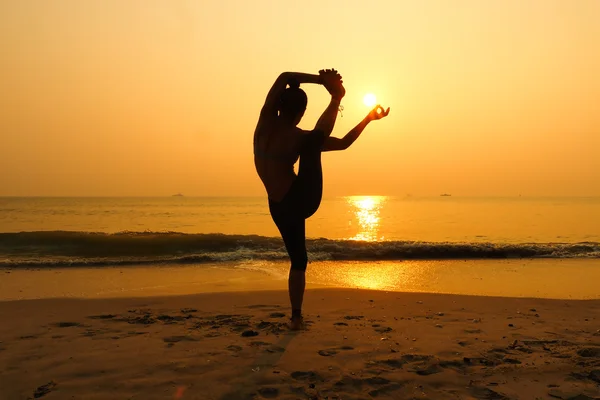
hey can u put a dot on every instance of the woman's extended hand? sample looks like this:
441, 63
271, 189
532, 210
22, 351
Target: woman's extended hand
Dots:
333, 82
377, 113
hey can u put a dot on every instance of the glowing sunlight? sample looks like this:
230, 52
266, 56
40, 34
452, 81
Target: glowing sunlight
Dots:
370, 100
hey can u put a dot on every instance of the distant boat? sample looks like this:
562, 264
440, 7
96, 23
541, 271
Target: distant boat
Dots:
177, 195
445, 195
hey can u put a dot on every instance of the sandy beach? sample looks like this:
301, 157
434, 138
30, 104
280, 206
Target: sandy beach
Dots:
359, 344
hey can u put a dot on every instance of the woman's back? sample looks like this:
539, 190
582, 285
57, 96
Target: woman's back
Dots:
276, 150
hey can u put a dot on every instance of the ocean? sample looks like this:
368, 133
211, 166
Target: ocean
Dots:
53, 231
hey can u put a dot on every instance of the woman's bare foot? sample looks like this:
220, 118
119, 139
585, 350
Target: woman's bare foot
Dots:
297, 324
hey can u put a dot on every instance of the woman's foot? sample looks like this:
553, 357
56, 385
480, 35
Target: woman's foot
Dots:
297, 323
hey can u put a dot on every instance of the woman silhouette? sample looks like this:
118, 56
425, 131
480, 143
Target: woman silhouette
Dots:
278, 144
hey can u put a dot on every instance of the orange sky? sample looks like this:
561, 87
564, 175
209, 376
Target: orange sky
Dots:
136, 98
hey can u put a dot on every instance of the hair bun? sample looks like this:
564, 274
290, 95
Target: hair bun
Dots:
293, 83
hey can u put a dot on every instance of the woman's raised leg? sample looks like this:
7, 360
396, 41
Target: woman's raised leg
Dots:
310, 173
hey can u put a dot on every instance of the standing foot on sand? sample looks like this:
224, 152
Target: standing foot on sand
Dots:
297, 324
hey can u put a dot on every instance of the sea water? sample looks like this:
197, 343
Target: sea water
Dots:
98, 247
97, 231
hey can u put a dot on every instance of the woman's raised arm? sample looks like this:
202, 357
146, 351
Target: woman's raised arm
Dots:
270, 106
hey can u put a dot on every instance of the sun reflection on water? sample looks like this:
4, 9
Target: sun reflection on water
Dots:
367, 278
379, 275
365, 210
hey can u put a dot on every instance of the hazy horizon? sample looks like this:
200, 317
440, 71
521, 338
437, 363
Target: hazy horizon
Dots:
260, 195
121, 99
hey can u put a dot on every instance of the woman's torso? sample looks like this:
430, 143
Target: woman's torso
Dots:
276, 150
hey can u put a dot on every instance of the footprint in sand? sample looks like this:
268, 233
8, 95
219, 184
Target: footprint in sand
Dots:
91, 332
235, 323
404, 359
357, 317
259, 343
575, 395
135, 333
376, 380
44, 389
66, 324
487, 394
227, 317
427, 370
276, 315
102, 316
275, 349
385, 389
234, 348
427, 367
589, 352
334, 351
176, 339
146, 319
265, 307
276, 327
169, 319
305, 376
500, 350
268, 392
458, 365
99, 333
340, 324
327, 353
482, 361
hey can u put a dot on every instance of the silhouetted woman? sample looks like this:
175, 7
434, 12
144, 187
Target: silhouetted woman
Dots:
278, 144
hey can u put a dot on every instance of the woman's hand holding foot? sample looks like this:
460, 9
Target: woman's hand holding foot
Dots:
333, 82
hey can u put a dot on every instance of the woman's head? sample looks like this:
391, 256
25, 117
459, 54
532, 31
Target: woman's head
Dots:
293, 102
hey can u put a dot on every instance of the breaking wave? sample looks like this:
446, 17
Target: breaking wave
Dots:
67, 248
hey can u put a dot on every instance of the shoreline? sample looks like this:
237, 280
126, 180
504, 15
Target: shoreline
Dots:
359, 344
529, 278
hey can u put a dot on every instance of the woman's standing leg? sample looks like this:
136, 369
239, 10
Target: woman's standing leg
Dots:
290, 216
309, 187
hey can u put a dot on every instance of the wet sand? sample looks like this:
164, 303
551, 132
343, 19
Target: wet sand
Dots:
359, 344
574, 279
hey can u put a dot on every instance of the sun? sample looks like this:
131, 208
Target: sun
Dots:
370, 100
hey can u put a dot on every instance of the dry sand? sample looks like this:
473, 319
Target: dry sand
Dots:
359, 345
